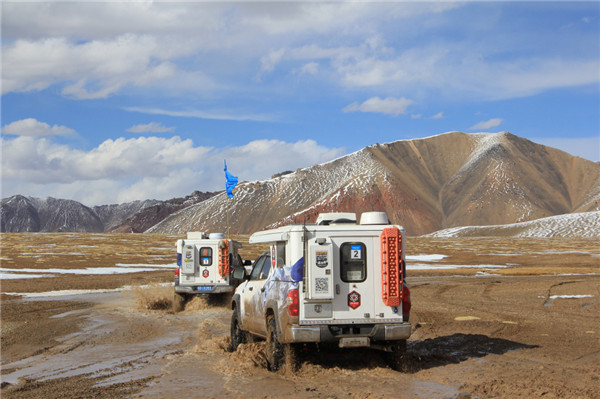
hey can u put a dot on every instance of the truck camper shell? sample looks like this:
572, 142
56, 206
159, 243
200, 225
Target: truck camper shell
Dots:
332, 281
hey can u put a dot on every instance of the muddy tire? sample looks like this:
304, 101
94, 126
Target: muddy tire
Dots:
397, 358
274, 350
237, 335
179, 301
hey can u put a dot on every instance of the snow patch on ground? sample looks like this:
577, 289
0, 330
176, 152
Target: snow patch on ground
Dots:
425, 266
78, 292
425, 258
120, 268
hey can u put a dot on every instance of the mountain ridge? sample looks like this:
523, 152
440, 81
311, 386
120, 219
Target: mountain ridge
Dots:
443, 181
448, 180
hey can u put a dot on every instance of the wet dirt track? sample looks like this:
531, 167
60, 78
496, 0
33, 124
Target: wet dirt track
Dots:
473, 336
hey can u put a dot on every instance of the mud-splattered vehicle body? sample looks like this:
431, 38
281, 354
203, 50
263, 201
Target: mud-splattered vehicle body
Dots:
204, 266
334, 281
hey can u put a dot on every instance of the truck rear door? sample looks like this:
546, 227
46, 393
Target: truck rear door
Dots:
354, 279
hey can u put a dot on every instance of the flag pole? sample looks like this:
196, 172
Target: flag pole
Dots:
230, 183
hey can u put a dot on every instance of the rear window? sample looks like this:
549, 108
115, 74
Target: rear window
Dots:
205, 256
353, 262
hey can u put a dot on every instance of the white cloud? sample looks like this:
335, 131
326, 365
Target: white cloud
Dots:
311, 68
484, 125
167, 45
439, 115
152, 127
144, 168
93, 69
33, 128
389, 106
201, 114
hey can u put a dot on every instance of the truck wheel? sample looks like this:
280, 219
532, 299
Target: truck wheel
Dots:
179, 301
397, 358
237, 335
273, 348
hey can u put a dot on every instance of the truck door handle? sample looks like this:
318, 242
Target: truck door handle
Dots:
250, 289
262, 289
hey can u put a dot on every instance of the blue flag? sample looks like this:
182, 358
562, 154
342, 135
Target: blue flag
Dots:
230, 181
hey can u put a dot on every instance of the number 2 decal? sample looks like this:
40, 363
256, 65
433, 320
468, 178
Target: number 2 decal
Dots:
355, 252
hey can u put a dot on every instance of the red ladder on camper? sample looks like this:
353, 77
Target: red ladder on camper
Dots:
224, 260
391, 266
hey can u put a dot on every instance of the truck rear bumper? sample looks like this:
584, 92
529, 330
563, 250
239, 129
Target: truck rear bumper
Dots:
203, 289
379, 333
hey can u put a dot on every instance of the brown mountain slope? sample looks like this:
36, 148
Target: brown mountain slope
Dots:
454, 179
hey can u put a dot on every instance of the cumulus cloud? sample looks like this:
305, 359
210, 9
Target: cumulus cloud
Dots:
146, 167
92, 69
33, 128
389, 106
484, 125
152, 127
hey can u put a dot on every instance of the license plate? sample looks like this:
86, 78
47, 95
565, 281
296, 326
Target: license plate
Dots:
205, 288
354, 342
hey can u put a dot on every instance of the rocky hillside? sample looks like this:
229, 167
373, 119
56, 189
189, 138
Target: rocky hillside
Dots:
26, 214
147, 217
454, 179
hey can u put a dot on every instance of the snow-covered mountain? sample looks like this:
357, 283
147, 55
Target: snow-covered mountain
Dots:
573, 225
454, 179
27, 214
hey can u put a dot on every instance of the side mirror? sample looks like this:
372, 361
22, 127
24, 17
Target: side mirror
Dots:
239, 273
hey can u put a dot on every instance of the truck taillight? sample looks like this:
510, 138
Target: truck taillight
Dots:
405, 300
293, 301
176, 272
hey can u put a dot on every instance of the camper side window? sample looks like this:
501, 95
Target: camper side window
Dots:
205, 256
353, 262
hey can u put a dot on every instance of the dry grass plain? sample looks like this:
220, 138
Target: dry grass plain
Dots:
528, 327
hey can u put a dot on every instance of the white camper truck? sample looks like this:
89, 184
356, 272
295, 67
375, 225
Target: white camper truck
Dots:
204, 266
334, 281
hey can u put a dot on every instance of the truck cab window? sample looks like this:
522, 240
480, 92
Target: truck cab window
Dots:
353, 262
257, 268
266, 268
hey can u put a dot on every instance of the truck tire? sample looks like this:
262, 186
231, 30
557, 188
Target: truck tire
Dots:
179, 301
237, 335
274, 349
397, 358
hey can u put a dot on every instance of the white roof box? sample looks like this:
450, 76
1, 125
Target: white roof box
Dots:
196, 235
374, 218
336, 217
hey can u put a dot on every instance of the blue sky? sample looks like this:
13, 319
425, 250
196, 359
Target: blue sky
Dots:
109, 102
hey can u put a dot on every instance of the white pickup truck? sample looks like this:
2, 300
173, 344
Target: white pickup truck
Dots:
204, 266
333, 281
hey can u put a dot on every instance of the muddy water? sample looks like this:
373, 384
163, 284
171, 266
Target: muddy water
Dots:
530, 329
186, 354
